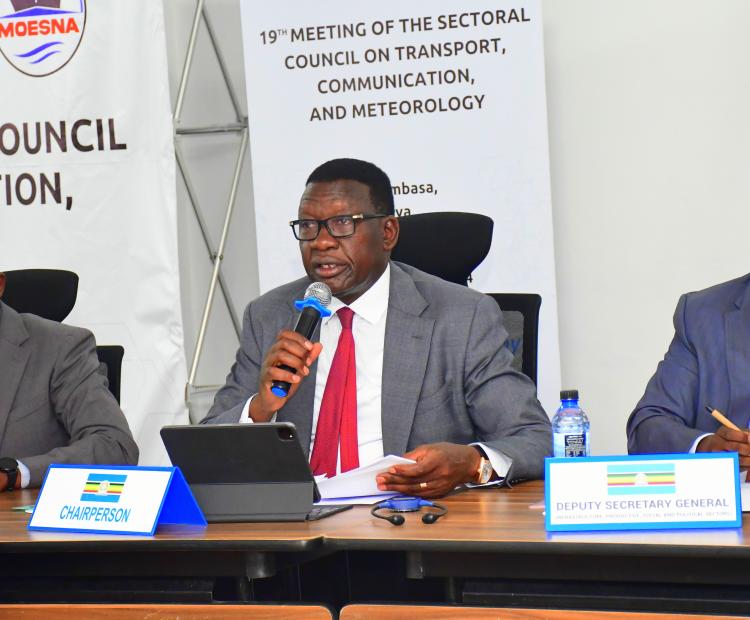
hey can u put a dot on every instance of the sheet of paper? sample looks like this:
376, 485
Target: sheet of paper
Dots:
745, 496
359, 482
365, 500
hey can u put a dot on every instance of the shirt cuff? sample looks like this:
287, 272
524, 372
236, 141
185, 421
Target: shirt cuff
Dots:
696, 442
245, 416
25, 474
499, 461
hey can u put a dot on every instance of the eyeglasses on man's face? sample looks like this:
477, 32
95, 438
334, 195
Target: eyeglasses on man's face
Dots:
338, 226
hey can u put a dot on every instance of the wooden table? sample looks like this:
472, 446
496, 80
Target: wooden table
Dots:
496, 541
487, 534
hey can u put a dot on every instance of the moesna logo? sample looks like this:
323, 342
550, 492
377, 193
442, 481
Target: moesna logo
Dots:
39, 37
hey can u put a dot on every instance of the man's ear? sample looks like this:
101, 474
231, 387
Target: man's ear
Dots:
2, 283
390, 233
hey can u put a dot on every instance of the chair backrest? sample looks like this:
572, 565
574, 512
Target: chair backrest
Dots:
443, 612
110, 355
49, 293
521, 319
449, 245
163, 611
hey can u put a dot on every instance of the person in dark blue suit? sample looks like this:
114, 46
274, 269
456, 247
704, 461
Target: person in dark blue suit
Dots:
707, 366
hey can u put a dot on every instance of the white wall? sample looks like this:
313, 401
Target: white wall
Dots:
649, 136
649, 143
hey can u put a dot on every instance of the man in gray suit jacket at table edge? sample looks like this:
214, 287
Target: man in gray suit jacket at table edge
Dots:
54, 403
706, 367
434, 379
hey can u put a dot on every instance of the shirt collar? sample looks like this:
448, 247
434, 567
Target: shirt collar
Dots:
372, 303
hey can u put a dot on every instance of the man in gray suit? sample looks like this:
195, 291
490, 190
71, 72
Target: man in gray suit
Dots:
707, 366
54, 403
433, 379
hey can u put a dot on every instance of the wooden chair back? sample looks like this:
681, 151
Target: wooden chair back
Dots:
163, 612
436, 612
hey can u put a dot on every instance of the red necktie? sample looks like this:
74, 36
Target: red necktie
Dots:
337, 420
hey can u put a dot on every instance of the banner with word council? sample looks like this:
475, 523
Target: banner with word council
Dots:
448, 98
87, 183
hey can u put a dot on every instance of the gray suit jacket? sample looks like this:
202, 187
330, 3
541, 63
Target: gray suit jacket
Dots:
446, 374
707, 364
54, 404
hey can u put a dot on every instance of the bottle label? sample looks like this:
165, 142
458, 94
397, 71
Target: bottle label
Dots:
575, 445
571, 444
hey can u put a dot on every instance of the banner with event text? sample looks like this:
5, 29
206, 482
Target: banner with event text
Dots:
87, 183
448, 99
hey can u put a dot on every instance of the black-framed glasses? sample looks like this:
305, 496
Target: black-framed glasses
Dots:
338, 226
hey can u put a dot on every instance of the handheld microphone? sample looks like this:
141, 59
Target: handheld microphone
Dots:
312, 308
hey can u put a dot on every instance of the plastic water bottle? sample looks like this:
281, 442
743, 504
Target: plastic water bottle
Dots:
570, 427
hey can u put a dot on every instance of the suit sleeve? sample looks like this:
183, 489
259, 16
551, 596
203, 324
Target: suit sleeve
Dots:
502, 402
84, 406
663, 420
242, 380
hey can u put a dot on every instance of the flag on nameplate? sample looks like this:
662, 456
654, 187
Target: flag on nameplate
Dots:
641, 479
103, 488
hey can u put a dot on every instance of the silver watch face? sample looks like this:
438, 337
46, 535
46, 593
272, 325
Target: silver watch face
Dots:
486, 472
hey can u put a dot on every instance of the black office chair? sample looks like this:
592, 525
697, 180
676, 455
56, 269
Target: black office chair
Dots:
51, 294
110, 356
48, 293
521, 319
449, 245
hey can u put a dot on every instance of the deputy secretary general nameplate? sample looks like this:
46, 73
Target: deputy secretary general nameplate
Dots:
663, 491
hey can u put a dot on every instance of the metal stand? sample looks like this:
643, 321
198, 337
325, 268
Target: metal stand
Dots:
240, 127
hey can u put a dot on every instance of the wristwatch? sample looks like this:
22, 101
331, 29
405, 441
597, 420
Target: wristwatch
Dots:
484, 471
9, 467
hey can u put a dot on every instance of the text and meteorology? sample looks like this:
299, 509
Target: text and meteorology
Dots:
451, 21
342, 58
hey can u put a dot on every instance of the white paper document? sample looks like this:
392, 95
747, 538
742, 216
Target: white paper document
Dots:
358, 486
745, 495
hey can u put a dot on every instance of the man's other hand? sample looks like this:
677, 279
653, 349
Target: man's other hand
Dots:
439, 468
728, 440
290, 349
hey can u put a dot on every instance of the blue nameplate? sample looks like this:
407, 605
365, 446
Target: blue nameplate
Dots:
644, 492
114, 500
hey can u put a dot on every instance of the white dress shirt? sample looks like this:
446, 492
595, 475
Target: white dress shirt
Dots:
696, 442
368, 330
24, 474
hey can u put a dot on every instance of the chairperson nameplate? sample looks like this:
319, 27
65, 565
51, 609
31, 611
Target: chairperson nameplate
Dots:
664, 491
114, 500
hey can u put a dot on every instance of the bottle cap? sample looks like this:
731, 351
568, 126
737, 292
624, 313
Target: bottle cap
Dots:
569, 395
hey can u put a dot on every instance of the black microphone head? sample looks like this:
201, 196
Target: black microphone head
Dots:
430, 517
321, 292
396, 519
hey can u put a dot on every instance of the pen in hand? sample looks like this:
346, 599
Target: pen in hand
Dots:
723, 419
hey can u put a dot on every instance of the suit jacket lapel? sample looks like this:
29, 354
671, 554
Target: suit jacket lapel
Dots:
13, 358
407, 346
737, 325
299, 409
